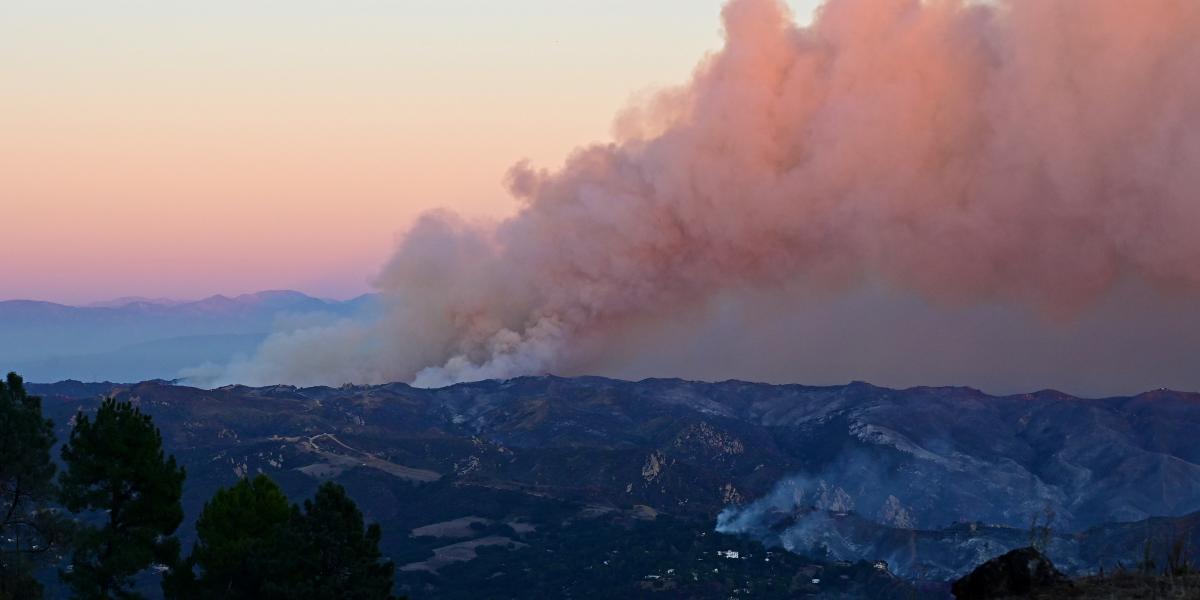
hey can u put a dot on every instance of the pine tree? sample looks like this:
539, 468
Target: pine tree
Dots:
336, 557
29, 529
252, 544
116, 469
239, 549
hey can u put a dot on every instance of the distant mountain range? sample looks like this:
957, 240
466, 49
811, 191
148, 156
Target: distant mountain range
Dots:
134, 339
514, 484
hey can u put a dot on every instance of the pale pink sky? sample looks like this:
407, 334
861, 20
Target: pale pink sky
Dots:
182, 149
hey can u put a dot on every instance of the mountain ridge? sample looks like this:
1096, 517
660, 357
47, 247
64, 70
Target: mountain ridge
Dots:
929, 479
48, 341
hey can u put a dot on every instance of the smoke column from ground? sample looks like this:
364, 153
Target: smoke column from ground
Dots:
1034, 154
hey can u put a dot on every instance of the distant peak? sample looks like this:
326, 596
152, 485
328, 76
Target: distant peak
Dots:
124, 301
269, 295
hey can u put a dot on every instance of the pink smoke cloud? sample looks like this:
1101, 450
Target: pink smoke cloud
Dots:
1026, 152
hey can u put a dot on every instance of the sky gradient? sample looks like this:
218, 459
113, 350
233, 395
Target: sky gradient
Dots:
182, 149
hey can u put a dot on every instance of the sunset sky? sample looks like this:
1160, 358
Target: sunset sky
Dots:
169, 148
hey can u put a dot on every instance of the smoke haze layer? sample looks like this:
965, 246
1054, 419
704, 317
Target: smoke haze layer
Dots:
1021, 158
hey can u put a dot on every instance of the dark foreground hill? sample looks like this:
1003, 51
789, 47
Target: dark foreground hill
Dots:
564, 486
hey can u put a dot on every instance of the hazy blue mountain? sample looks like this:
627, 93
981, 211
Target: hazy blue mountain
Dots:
134, 339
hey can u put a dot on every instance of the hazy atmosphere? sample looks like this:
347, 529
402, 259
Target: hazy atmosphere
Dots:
233, 147
887, 191
679, 299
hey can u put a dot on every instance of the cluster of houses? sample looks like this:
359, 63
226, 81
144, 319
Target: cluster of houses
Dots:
813, 573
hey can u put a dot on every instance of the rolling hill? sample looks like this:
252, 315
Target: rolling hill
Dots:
470, 480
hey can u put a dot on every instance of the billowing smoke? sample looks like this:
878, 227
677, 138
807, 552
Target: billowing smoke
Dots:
1026, 153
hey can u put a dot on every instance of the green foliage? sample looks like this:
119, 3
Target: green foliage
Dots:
239, 550
251, 544
29, 529
116, 467
336, 557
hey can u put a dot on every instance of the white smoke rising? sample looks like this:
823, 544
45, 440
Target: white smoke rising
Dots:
1034, 153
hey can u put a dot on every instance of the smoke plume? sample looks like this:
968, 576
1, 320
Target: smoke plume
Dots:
1035, 154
